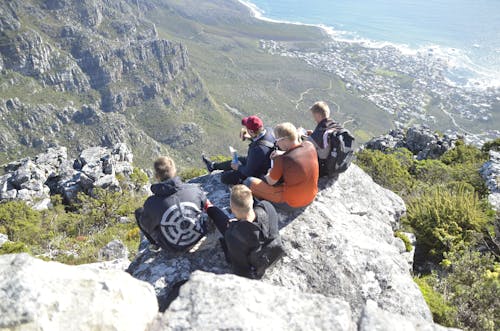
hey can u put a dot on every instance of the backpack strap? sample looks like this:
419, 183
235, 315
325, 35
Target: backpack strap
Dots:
266, 143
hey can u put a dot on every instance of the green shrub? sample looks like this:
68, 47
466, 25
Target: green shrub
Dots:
139, 177
388, 170
432, 171
190, 173
473, 287
444, 219
491, 145
464, 154
20, 222
442, 312
13, 247
405, 239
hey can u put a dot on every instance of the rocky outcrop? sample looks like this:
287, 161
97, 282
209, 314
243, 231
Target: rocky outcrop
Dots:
227, 302
34, 179
342, 247
420, 140
491, 173
38, 295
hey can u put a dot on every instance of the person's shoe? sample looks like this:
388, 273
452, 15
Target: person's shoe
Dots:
208, 163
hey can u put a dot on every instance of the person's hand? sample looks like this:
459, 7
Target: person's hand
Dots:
309, 132
235, 166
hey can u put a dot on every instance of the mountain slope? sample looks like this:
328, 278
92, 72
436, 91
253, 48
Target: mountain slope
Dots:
96, 72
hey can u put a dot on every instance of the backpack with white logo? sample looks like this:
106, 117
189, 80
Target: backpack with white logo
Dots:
183, 225
340, 143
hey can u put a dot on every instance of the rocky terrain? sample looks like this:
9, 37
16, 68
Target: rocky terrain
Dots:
344, 270
420, 140
35, 179
491, 173
94, 73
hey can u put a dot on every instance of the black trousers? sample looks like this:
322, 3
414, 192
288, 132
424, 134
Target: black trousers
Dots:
230, 176
220, 219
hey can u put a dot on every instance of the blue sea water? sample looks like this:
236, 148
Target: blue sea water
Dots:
467, 31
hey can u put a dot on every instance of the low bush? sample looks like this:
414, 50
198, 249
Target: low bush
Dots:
442, 312
444, 219
388, 170
472, 285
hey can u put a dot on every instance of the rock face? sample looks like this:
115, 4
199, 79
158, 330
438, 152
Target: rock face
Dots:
37, 295
34, 179
93, 60
342, 246
227, 302
491, 173
421, 141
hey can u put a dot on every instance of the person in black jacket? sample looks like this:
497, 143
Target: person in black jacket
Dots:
248, 237
173, 217
321, 115
256, 163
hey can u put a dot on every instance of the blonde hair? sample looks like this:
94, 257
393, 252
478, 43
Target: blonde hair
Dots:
286, 130
321, 108
165, 168
241, 198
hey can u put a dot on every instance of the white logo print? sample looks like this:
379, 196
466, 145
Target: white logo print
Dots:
181, 224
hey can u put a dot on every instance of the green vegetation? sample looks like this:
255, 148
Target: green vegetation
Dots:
71, 234
450, 216
445, 219
491, 145
442, 312
405, 239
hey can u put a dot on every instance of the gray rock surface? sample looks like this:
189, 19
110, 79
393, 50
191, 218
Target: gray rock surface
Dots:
38, 295
375, 319
35, 179
227, 302
420, 140
342, 246
3, 239
114, 250
491, 173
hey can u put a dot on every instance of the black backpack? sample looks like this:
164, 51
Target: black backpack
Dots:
271, 248
341, 146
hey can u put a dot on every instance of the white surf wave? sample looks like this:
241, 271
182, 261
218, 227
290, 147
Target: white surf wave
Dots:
462, 70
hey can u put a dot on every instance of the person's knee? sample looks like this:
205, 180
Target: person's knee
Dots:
248, 182
230, 178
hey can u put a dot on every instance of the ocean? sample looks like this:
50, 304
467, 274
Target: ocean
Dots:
464, 32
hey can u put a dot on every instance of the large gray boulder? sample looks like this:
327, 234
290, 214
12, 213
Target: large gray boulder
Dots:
38, 295
341, 246
227, 302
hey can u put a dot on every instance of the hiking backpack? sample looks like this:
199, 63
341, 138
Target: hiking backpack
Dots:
183, 225
340, 143
270, 249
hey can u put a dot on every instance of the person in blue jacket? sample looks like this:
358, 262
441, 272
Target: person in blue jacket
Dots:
256, 163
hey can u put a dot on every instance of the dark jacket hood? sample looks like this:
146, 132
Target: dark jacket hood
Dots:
167, 188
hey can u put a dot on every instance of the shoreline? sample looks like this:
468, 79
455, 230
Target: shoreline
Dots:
481, 78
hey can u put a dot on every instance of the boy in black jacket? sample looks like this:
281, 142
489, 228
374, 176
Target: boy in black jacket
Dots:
252, 239
173, 217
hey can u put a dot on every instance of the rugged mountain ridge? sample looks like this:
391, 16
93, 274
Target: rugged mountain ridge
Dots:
344, 270
95, 71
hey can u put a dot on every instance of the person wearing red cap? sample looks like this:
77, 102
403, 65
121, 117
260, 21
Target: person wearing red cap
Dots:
258, 159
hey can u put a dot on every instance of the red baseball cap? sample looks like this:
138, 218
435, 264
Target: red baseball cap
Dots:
252, 123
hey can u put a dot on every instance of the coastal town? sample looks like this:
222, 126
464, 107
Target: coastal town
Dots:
413, 88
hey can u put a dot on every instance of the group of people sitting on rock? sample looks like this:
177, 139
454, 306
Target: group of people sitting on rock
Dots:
281, 170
